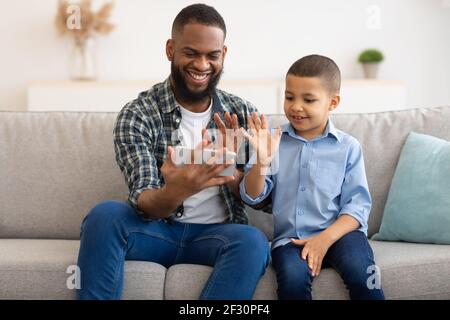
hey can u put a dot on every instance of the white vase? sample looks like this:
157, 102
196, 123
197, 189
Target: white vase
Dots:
83, 64
370, 70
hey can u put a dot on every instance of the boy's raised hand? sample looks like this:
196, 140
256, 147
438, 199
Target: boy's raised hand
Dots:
261, 139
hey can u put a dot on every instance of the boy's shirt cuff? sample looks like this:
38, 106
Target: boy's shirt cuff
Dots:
358, 213
268, 186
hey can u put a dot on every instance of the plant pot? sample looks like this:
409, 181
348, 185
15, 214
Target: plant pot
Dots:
83, 64
370, 70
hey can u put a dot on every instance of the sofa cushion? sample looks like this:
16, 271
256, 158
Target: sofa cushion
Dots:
408, 271
180, 287
36, 269
413, 271
418, 205
55, 168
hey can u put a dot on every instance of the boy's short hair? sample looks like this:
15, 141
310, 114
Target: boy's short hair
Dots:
318, 66
198, 13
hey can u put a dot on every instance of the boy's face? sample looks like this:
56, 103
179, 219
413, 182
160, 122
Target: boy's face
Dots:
307, 104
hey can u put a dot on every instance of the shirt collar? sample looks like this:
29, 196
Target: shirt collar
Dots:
330, 130
169, 103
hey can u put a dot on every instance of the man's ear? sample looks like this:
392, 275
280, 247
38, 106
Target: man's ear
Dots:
169, 49
225, 50
334, 103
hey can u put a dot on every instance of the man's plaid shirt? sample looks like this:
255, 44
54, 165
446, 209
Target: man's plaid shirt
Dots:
143, 131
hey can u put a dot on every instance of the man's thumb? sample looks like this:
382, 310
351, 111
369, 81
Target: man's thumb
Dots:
170, 155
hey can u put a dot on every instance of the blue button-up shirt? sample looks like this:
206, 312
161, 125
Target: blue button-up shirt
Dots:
313, 183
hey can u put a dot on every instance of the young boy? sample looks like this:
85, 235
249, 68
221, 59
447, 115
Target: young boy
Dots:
320, 196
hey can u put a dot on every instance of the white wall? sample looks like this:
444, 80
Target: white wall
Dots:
264, 38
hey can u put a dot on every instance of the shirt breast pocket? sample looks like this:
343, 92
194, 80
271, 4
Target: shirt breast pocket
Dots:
329, 177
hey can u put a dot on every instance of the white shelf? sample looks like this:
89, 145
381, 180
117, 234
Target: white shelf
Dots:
96, 96
360, 96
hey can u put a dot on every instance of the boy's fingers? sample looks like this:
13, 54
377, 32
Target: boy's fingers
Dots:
311, 262
319, 268
304, 253
299, 242
315, 265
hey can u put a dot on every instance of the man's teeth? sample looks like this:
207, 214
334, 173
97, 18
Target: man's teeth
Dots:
298, 117
197, 76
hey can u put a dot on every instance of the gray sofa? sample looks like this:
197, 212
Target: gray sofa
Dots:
56, 166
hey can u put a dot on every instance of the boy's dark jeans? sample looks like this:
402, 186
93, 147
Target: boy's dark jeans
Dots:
351, 256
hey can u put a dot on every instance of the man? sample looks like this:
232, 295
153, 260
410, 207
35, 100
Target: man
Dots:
188, 214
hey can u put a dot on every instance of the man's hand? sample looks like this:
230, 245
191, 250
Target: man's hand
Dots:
229, 131
182, 182
190, 179
314, 250
229, 139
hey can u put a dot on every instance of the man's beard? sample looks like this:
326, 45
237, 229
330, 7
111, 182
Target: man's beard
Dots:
187, 95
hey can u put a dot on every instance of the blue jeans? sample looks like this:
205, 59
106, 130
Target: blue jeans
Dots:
113, 232
350, 256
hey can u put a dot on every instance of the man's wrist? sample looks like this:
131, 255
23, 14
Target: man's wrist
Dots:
174, 194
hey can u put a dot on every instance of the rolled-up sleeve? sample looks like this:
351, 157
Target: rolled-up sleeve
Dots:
133, 147
268, 185
355, 196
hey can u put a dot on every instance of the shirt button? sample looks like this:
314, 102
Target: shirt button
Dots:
179, 214
302, 188
177, 120
299, 212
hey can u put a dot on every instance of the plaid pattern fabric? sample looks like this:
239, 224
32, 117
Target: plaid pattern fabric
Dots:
143, 131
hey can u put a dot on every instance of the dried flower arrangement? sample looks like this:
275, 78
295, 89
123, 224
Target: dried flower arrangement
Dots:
83, 22
78, 20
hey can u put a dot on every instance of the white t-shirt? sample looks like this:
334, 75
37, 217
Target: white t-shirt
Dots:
207, 206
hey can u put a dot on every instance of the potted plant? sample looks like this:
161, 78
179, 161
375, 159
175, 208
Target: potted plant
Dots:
370, 59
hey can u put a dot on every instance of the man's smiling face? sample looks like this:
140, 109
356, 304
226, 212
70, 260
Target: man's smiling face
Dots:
196, 53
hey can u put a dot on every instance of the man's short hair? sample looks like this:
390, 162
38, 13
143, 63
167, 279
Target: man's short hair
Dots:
198, 13
318, 66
